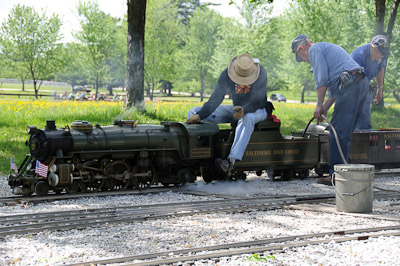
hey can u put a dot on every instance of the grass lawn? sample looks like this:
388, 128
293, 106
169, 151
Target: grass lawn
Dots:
17, 114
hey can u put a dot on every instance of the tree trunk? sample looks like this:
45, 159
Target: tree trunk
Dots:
34, 87
110, 89
152, 91
302, 94
135, 53
148, 88
23, 84
396, 96
97, 88
392, 19
380, 16
169, 88
202, 88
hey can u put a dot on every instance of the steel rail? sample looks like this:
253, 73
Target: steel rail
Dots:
26, 217
94, 217
249, 244
140, 214
142, 208
65, 196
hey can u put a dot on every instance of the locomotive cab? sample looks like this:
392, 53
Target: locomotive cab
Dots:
196, 140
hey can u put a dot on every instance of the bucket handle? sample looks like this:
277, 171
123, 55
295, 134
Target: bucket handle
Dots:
344, 193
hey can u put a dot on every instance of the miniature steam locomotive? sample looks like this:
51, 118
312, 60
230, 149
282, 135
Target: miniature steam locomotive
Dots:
125, 155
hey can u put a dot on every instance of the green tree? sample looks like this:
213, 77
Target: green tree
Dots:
98, 36
162, 38
201, 38
186, 8
74, 71
116, 63
31, 41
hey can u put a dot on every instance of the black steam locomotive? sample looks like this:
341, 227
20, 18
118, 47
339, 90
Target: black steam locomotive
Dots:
84, 157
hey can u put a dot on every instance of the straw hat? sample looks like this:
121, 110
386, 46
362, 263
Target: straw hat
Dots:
243, 70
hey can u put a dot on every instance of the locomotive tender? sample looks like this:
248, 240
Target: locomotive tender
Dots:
84, 157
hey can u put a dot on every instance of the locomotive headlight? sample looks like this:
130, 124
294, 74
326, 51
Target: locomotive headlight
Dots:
53, 168
31, 129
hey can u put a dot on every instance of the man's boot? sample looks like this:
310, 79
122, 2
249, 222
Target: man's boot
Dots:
326, 180
224, 165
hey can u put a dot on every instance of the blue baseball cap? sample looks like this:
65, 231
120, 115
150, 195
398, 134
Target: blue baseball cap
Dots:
296, 43
382, 43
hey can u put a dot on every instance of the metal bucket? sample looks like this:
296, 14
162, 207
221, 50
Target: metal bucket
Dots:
354, 187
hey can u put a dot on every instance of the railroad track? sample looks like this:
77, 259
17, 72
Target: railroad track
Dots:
37, 222
250, 247
18, 200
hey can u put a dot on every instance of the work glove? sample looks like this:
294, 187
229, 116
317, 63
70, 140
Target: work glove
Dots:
238, 112
194, 119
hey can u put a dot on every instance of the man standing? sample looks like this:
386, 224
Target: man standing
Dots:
246, 80
334, 70
372, 57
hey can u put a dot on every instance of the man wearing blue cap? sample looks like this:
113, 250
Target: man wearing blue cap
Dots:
372, 57
334, 70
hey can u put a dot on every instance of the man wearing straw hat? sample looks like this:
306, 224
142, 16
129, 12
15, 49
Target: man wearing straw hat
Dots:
246, 81
334, 70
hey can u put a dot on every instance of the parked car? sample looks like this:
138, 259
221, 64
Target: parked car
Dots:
277, 97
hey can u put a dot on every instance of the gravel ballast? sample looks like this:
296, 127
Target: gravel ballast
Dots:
128, 239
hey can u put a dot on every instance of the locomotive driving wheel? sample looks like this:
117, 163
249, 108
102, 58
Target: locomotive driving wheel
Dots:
41, 188
91, 181
73, 188
208, 173
185, 175
238, 176
143, 177
119, 175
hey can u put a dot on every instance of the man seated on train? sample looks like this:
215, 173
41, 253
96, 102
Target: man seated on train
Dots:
246, 81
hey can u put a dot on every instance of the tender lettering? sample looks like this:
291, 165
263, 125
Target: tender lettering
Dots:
292, 151
272, 152
358, 156
258, 153
392, 136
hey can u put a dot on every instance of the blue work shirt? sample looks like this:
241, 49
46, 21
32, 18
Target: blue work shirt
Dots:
250, 97
328, 61
362, 56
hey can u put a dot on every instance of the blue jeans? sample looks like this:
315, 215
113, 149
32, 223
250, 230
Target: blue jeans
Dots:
364, 123
244, 128
349, 103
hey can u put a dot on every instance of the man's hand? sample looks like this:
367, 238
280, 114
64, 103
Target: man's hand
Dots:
319, 110
238, 112
379, 95
194, 119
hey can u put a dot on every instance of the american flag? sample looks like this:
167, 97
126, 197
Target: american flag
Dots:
13, 166
41, 169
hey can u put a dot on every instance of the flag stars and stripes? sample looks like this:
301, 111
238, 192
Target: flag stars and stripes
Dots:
41, 169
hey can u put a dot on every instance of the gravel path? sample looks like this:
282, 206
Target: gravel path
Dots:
127, 239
